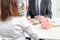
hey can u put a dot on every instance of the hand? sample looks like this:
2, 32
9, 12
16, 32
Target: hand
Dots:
46, 23
39, 17
29, 18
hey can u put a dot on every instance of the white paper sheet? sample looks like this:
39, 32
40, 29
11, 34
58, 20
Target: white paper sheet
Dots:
56, 21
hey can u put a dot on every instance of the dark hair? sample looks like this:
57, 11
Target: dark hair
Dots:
9, 8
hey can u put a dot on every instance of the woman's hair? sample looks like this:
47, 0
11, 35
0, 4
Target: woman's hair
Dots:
9, 8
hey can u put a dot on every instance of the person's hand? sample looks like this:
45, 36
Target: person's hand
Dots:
39, 17
28, 18
46, 23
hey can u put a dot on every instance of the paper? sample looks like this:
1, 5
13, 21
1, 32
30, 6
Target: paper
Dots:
56, 21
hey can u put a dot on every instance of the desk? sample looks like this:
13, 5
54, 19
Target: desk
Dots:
52, 33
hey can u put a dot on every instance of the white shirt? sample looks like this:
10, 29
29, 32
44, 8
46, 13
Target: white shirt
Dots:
39, 2
14, 29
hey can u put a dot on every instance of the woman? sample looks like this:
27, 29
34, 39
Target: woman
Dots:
12, 24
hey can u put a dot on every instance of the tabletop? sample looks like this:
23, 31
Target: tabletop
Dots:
51, 33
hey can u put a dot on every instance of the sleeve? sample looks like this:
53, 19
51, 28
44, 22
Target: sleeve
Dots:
29, 9
28, 29
29, 12
48, 9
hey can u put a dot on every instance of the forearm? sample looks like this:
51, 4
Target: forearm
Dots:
28, 12
48, 9
31, 33
48, 15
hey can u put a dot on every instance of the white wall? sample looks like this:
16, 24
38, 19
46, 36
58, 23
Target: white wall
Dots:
56, 8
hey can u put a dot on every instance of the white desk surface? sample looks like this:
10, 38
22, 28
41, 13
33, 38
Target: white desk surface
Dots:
52, 33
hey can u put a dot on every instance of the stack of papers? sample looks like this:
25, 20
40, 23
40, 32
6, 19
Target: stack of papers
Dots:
56, 21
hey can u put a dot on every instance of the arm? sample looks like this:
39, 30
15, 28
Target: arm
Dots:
29, 12
48, 9
28, 29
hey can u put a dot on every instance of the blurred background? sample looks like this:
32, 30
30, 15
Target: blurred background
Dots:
55, 7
